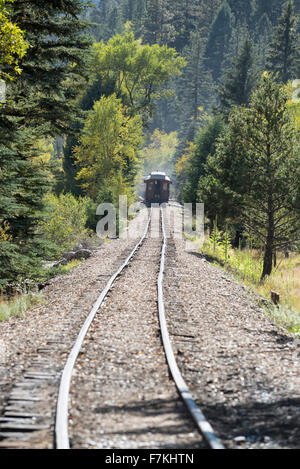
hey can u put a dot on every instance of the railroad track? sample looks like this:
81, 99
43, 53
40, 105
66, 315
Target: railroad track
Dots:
62, 439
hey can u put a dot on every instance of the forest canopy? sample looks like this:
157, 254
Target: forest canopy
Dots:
99, 94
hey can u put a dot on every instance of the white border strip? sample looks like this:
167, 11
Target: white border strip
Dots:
62, 411
200, 420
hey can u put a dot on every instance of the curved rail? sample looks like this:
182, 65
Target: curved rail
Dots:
62, 410
199, 418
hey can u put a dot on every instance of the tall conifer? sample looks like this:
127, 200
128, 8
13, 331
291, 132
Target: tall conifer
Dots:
39, 104
239, 79
284, 55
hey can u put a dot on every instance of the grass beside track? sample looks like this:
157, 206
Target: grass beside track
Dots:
246, 264
19, 304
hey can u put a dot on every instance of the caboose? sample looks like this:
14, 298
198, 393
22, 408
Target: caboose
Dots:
157, 188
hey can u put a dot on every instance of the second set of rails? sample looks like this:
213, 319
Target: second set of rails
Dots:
62, 439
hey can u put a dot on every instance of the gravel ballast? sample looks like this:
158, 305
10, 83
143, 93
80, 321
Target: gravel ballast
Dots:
242, 370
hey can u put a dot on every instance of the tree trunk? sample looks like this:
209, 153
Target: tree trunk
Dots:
269, 249
268, 261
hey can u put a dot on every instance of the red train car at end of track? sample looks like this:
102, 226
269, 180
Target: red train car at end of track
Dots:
157, 188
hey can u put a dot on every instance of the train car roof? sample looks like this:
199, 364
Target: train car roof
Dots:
157, 175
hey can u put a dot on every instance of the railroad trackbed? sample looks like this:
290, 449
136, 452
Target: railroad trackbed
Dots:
135, 372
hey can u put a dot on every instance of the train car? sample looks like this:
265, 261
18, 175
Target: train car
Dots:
157, 188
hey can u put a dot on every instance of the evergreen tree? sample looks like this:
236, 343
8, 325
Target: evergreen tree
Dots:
239, 80
263, 35
135, 12
157, 25
115, 22
272, 8
219, 40
187, 15
205, 145
54, 67
284, 55
106, 19
243, 10
240, 31
195, 88
255, 171
40, 105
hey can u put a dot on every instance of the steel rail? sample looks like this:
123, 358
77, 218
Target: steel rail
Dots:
199, 418
62, 410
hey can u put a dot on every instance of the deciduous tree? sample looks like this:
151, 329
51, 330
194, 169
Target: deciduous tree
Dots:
139, 71
12, 43
108, 151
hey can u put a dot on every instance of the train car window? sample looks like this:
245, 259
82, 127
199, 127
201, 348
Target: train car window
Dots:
165, 186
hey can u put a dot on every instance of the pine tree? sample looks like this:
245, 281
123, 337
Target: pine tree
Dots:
219, 40
157, 25
40, 105
134, 11
187, 15
240, 31
205, 145
255, 172
272, 8
243, 10
239, 80
284, 55
263, 35
195, 88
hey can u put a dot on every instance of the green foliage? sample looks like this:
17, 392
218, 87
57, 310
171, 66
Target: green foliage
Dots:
226, 245
39, 106
96, 89
158, 155
116, 88
239, 80
205, 146
16, 307
215, 237
218, 244
284, 55
257, 165
157, 23
262, 36
195, 88
108, 152
219, 40
140, 72
12, 43
67, 219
